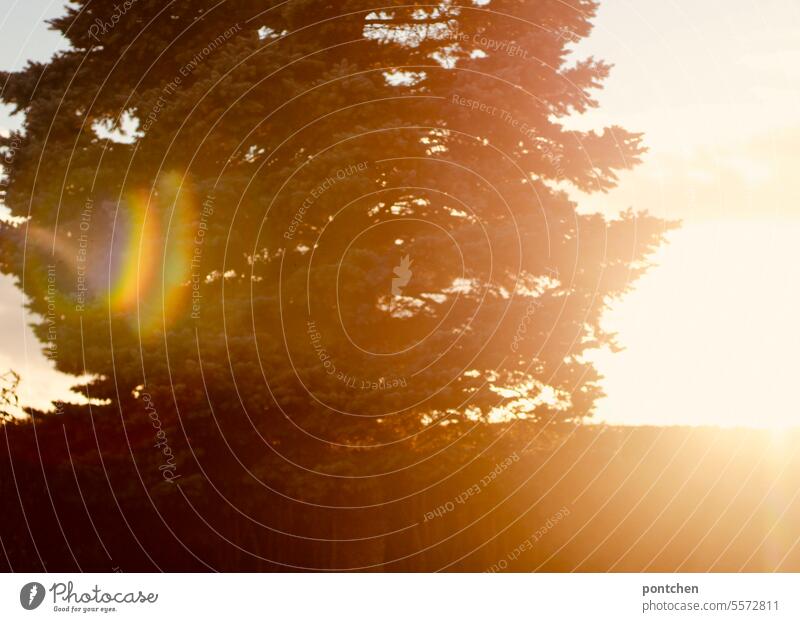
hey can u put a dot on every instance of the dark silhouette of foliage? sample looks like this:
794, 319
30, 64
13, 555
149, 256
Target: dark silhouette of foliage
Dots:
333, 262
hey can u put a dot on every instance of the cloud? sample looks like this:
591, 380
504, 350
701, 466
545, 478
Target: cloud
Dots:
22, 351
755, 178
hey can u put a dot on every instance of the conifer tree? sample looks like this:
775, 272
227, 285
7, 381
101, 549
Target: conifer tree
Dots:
321, 239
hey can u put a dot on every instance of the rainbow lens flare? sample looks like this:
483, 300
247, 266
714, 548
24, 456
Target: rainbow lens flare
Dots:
149, 271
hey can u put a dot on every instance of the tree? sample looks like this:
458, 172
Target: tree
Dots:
318, 240
9, 399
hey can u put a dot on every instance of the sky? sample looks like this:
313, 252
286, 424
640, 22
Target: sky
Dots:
713, 85
23, 36
710, 334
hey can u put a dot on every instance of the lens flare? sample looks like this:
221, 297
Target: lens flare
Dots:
150, 264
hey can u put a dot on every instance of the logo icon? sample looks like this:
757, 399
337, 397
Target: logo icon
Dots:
31, 595
403, 272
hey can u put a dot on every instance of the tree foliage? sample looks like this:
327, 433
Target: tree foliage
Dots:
320, 240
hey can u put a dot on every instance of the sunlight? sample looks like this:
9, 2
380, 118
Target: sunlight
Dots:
711, 334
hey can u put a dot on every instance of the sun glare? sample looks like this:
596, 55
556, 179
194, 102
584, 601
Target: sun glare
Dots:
711, 333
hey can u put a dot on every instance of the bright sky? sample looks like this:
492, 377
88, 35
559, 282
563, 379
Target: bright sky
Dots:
714, 87
712, 333
23, 36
